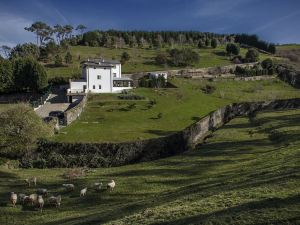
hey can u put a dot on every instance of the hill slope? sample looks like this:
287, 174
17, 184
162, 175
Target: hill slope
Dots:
245, 174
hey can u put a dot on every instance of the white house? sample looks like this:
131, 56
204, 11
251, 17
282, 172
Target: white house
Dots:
100, 76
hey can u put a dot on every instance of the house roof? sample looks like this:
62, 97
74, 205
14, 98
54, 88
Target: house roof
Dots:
100, 62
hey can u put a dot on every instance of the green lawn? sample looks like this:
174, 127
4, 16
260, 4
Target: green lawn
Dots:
141, 59
106, 118
245, 174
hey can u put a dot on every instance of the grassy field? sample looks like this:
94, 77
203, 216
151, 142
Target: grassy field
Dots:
245, 174
141, 59
107, 118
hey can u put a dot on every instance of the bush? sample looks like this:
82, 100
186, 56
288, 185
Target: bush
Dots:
125, 57
208, 89
232, 49
131, 97
252, 55
58, 61
161, 58
184, 57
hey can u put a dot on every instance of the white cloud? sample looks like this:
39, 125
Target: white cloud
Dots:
12, 30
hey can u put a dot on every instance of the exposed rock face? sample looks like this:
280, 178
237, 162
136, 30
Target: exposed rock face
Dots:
57, 154
289, 75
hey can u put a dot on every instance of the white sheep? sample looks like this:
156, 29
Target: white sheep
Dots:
13, 198
69, 187
55, 200
31, 180
111, 185
33, 199
83, 192
40, 202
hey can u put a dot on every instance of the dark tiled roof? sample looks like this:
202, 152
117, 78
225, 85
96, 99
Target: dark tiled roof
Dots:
100, 62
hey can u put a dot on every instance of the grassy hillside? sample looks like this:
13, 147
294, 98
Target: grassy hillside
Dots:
107, 118
141, 59
245, 174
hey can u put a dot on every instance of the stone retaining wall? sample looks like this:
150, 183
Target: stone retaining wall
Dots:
289, 75
73, 113
57, 154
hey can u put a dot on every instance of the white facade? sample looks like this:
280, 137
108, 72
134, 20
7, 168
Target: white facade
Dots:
100, 76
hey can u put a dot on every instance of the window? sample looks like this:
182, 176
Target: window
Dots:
99, 86
84, 87
94, 87
99, 77
115, 74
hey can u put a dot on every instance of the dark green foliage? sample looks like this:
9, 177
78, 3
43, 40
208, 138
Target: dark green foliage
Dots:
253, 41
184, 57
68, 58
256, 70
267, 63
91, 38
161, 58
252, 55
29, 74
25, 50
208, 89
152, 82
131, 97
214, 43
232, 49
201, 44
125, 57
6, 76
58, 61
207, 42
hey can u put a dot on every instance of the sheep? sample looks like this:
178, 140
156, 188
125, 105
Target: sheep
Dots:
13, 198
33, 199
40, 202
42, 191
22, 197
83, 192
31, 180
111, 185
98, 186
69, 187
55, 200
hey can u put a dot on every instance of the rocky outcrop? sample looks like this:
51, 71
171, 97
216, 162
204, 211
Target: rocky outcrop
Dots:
289, 75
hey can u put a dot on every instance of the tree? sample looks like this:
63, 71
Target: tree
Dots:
267, 63
272, 48
125, 57
232, 49
5, 50
201, 44
207, 42
68, 29
252, 55
214, 43
68, 58
20, 129
6, 76
29, 74
25, 50
42, 31
81, 28
184, 57
161, 58
58, 61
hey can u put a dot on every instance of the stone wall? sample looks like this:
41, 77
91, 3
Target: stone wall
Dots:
289, 75
73, 113
57, 154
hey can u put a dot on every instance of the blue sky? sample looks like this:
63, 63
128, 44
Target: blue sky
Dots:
273, 20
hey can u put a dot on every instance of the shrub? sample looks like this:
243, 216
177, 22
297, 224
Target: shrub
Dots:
232, 49
125, 57
252, 55
58, 61
184, 57
161, 58
131, 97
208, 89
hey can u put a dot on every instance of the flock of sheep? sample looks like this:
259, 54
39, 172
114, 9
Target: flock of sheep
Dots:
37, 199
